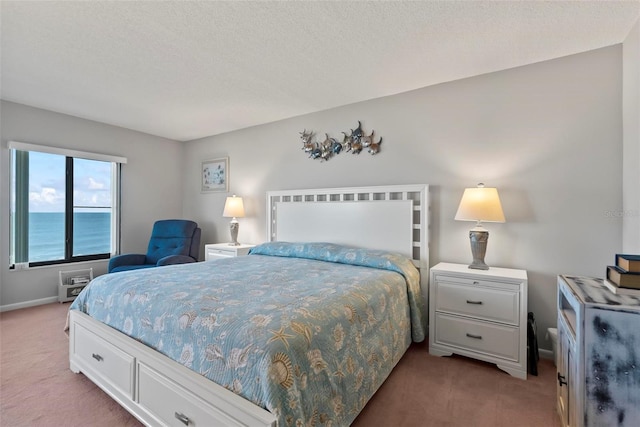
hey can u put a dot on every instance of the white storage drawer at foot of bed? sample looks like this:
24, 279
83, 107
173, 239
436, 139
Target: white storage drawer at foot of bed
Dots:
105, 360
490, 339
155, 389
173, 405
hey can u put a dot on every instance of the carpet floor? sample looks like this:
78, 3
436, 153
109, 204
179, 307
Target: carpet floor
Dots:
38, 389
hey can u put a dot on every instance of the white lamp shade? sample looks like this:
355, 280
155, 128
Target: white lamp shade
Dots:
480, 204
233, 207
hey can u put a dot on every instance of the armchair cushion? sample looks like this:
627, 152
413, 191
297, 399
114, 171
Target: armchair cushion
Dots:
175, 259
173, 241
125, 260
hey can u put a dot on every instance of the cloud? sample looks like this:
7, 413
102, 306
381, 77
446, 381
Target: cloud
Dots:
95, 185
91, 198
47, 198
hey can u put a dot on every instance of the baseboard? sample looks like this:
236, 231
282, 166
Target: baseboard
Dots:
545, 354
26, 304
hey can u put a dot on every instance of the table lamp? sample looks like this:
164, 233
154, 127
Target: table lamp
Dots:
480, 204
233, 208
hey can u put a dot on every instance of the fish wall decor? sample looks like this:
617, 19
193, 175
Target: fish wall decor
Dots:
353, 142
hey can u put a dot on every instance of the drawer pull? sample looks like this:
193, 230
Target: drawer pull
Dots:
561, 380
475, 337
474, 302
182, 418
97, 357
475, 282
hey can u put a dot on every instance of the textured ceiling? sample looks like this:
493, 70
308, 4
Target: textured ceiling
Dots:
186, 70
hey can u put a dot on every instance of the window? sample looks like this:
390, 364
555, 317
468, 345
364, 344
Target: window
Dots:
64, 205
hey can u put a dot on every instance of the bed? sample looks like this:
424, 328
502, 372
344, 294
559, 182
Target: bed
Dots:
302, 331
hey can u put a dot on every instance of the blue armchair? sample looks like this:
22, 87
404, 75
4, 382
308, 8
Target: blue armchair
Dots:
173, 241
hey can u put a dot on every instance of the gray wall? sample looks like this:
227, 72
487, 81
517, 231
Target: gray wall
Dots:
631, 151
548, 136
151, 187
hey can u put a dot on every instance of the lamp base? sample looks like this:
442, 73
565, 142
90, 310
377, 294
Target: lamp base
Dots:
478, 240
234, 226
479, 265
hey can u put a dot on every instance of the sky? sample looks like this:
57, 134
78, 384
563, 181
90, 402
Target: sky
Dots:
92, 183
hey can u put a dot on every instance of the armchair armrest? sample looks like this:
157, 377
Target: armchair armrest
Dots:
175, 259
126, 259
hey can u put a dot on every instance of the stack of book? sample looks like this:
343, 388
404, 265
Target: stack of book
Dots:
624, 277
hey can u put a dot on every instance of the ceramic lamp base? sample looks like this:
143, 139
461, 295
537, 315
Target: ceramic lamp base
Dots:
233, 228
478, 249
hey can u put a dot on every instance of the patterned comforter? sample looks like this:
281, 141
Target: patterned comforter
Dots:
307, 331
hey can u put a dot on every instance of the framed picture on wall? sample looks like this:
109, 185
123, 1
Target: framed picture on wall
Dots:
215, 175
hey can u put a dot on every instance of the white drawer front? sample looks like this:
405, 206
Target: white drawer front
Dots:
479, 281
491, 339
173, 405
218, 254
490, 304
106, 360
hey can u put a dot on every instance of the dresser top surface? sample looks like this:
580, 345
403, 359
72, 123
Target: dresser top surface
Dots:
492, 272
228, 246
591, 290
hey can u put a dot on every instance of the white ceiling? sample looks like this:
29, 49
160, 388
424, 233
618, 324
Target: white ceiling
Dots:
186, 70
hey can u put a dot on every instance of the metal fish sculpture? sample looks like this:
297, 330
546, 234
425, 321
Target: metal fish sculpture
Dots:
357, 132
326, 147
315, 153
346, 143
374, 148
356, 147
307, 145
367, 140
336, 147
326, 153
327, 143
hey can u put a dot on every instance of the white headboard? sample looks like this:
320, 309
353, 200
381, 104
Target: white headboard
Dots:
372, 225
393, 218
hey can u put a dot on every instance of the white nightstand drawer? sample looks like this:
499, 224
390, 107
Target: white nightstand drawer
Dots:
105, 360
488, 338
215, 251
218, 253
477, 281
483, 303
173, 405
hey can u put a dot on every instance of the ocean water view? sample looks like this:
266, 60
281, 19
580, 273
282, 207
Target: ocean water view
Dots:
92, 234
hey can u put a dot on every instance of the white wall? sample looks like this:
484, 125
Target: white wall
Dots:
151, 187
631, 150
548, 136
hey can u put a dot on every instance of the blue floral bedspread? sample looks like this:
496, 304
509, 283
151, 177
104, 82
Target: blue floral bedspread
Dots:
307, 331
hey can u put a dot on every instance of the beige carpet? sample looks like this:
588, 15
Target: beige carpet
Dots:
38, 389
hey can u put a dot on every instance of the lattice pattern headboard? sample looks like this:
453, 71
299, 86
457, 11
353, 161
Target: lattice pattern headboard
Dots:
390, 216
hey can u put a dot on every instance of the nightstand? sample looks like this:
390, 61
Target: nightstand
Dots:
480, 314
215, 251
